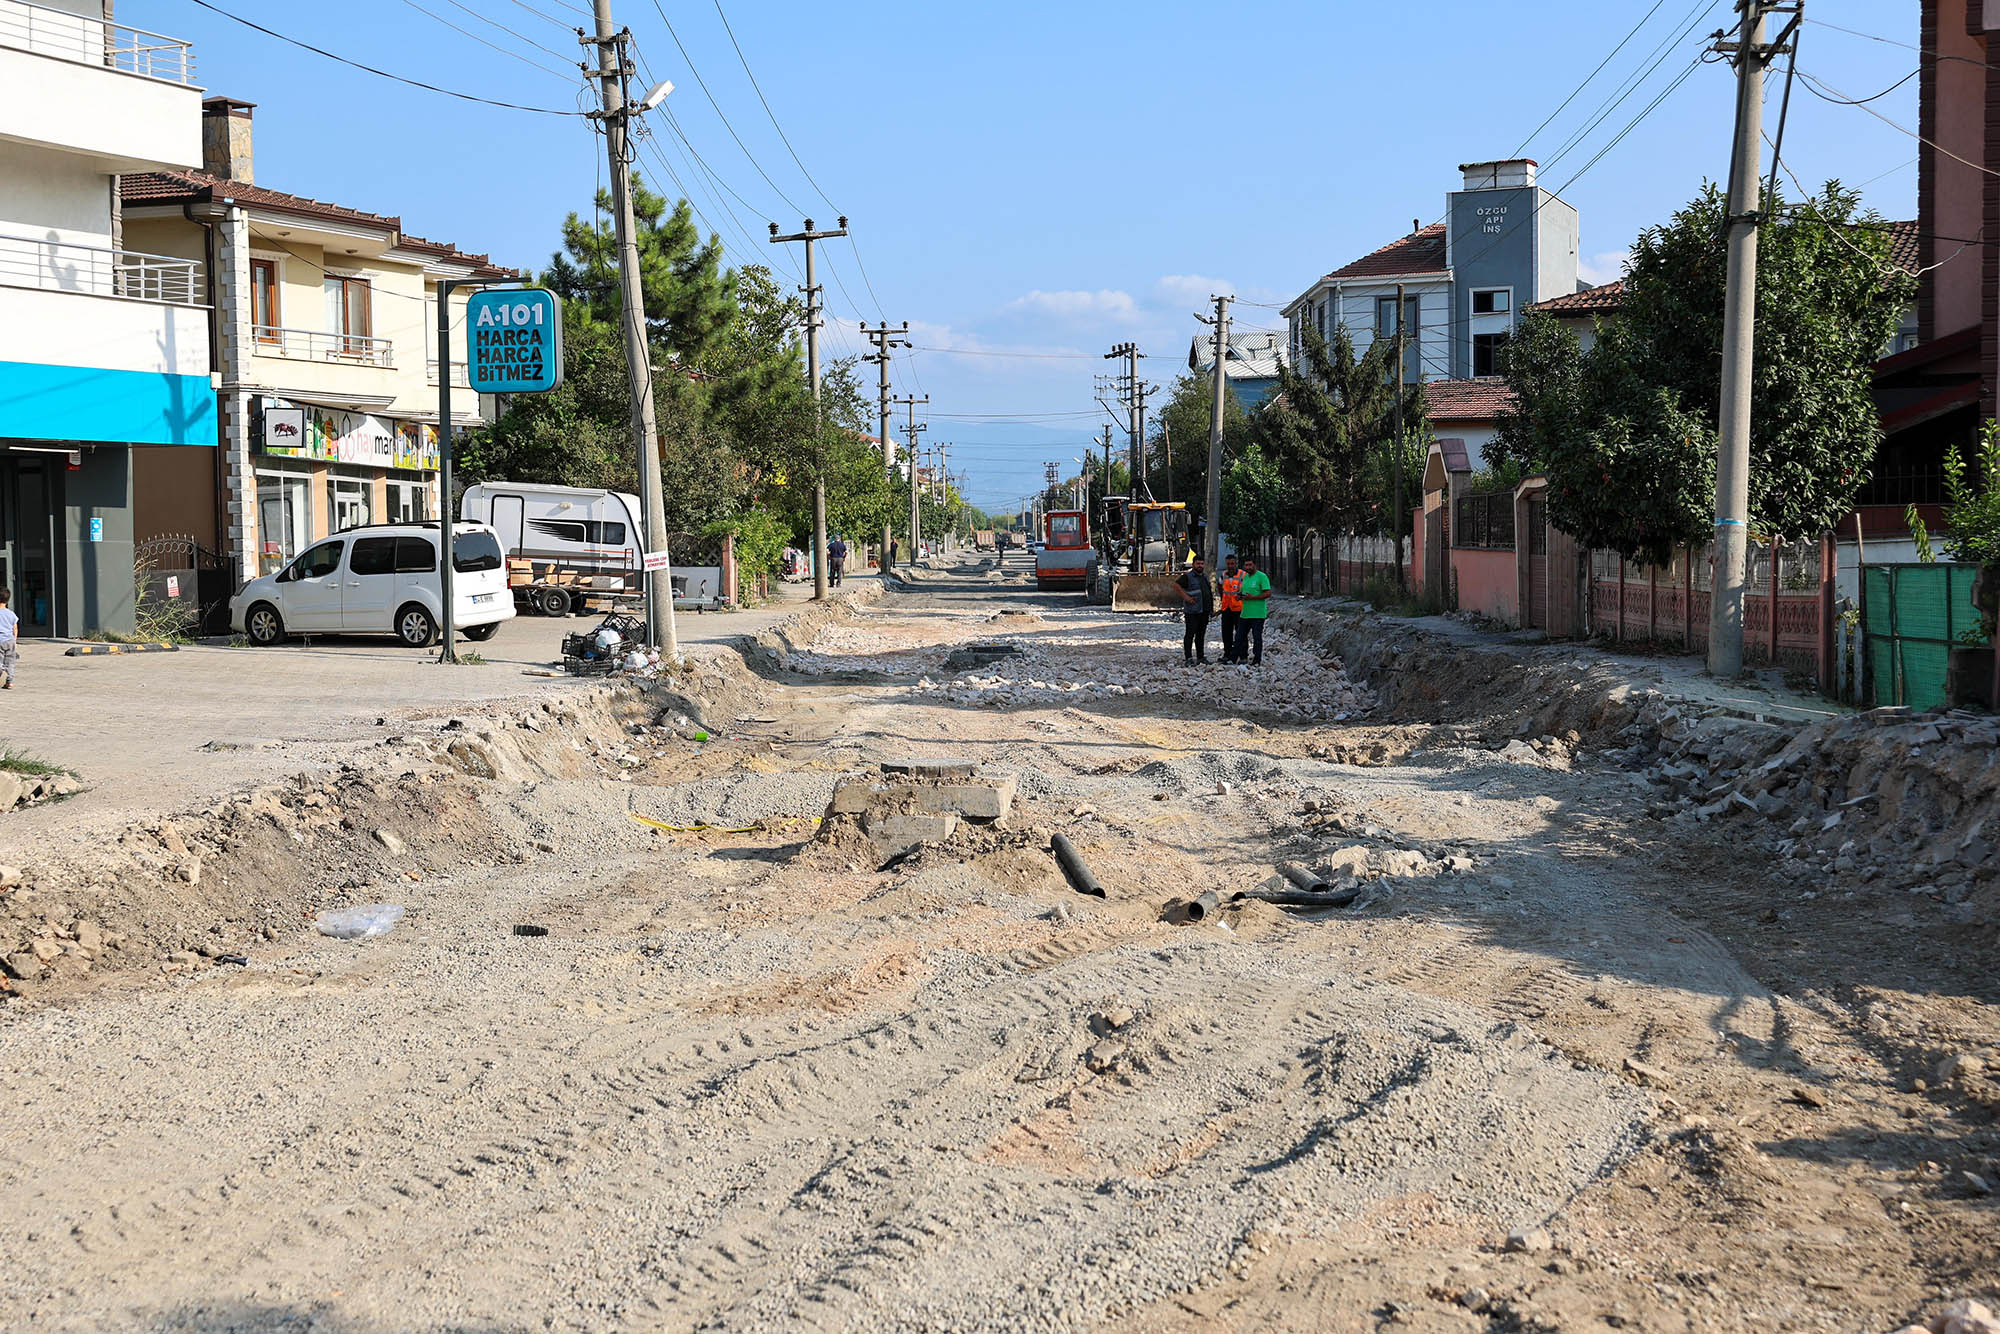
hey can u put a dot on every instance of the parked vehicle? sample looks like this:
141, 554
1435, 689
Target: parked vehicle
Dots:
566, 546
1063, 558
381, 579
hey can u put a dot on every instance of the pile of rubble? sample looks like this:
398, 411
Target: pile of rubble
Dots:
1294, 682
1885, 798
31, 789
1963, 1316
910, 803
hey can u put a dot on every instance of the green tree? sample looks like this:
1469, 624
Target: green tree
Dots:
1329, 414
690, 298
1183, 422
1627, 430
1254, 497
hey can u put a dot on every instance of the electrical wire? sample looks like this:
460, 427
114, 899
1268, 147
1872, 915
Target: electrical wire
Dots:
703, 83
518, 36
491, 46
568, 24
379, 73
1858, 101
1813, 85
1578, 90
782, 136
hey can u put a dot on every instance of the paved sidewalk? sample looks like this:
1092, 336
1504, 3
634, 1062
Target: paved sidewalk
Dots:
163, 731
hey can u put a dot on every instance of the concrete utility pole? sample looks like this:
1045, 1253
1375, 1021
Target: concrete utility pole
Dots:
910, 401
1739, 328
1396, 458
1130, 353
612, 71
811, 289
1211, 545
885, 340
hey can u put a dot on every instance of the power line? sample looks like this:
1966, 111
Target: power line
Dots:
719, 111
380, 73
1578, 90
982, 352
540, 14
518, 36
491, 46
744, 60
1813, 84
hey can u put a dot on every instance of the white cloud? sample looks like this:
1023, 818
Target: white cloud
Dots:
1602, 268
1185, 287
1105, 304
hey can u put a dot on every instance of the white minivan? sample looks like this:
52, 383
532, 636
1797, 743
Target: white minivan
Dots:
381, 579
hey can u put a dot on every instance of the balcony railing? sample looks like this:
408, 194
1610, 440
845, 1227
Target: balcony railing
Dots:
66, 266
460, 377
313, 345
92, 41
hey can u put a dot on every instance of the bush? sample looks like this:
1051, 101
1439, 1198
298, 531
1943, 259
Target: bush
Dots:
760, 542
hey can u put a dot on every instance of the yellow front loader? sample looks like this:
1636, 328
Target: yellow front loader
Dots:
1150, 557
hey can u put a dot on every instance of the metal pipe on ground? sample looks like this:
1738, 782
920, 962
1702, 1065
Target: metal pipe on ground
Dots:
1080, 878
1200, 909
1309, 881
1298, 898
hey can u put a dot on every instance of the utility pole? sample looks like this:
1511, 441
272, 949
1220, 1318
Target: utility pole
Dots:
1739, 327
612, 71
1130, 353
885, 340
1211, 545
1396, 458
910, 402
813, 322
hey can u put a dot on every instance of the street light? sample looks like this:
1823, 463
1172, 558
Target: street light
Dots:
656, 95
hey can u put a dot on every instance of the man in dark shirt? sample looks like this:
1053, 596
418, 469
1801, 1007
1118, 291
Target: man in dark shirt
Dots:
1198, 593
836, 559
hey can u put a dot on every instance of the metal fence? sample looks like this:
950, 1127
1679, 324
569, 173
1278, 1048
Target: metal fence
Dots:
68, 266
1786, 604
1485, 522
92, 41
317, 345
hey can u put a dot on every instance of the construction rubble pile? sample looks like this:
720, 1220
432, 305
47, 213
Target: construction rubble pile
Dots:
913, 802
31, 789
1889, 800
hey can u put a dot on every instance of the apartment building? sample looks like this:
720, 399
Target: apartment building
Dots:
104, 347
1504, 243
326, 320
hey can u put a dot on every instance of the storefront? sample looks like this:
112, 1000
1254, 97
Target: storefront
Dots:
323, 470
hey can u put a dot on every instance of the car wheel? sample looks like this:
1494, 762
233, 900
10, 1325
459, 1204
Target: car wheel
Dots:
415, 627
264, 626
552, 602
479, 634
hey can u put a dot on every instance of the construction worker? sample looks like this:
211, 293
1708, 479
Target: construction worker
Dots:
1255, 593
1232, 605
1198, 596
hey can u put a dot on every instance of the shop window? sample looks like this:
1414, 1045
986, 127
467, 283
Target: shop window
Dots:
347, 499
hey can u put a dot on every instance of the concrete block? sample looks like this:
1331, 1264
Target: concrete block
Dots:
895, 834
929, 768
853, 796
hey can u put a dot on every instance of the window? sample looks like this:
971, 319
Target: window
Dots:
373, 555
588, 531
1489, 354
264, 300
1484, 522
348, 503
349, 310
1413, 323
416, 555
281, 516
1065, 530
409, 502
319, 561
474, 552
1493, 301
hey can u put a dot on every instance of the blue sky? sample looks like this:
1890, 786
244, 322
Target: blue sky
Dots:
1038, 178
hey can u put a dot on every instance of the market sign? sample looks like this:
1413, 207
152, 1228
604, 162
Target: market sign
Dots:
514, 341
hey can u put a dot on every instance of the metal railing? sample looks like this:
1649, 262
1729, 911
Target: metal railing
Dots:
461, 378
69, 266
313, 345
92, 41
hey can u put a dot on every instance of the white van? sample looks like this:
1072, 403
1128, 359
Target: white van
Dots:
381, 579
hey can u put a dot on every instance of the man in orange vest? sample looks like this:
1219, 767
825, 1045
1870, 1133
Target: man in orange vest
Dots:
1231, 605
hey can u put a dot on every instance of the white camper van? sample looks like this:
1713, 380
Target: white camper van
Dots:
564, 543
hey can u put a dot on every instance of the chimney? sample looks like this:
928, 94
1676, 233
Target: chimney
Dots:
1512, 174
225, 139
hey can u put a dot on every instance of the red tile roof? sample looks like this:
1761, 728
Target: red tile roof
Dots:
1903, 246
1419, 252
1590, 301
1481, 399
177, 187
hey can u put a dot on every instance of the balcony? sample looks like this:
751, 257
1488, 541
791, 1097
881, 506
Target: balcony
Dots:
313, 345
127, 97
66, 266
461, 378
92, 41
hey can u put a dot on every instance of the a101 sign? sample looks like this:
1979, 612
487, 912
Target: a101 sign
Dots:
514, 341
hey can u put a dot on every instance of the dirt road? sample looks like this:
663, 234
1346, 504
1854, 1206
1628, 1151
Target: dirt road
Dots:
751, 1078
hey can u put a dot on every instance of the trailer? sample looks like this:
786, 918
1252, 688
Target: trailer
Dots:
982, 539
568, 548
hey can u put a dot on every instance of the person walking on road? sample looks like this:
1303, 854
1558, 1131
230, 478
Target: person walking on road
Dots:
836, 560
1232, 606
1256, 599
891, 563
1198, 595
10, 641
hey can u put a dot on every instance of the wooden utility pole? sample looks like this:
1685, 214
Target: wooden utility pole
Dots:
612, 71
885, 340
1211, 519
813, 321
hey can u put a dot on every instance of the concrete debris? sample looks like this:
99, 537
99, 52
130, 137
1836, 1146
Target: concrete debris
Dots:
392, 841
1651, 1076
20, 790
1530, 1240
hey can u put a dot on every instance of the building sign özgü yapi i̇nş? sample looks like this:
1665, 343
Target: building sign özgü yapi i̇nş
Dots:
514, 341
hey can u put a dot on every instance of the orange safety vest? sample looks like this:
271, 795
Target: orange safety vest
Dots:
1232, 592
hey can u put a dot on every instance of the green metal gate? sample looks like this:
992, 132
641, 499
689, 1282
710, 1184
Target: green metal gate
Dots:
1912, 618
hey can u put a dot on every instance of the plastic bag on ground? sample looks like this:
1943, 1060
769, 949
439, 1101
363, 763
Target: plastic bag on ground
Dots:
371, 919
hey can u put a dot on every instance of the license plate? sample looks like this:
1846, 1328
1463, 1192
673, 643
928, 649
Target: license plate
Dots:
478, 598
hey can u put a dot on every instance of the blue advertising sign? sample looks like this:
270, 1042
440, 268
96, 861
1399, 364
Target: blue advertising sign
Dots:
513, 341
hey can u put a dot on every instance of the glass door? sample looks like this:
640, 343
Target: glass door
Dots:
27, 523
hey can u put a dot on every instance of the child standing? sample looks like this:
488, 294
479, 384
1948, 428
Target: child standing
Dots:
10, 643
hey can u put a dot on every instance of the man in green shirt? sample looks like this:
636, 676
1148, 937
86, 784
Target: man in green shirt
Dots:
1256, 606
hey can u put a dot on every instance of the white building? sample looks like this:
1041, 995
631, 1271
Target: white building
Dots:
104, 351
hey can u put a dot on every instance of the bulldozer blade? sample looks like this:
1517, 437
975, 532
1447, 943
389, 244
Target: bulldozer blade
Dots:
1145, 592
